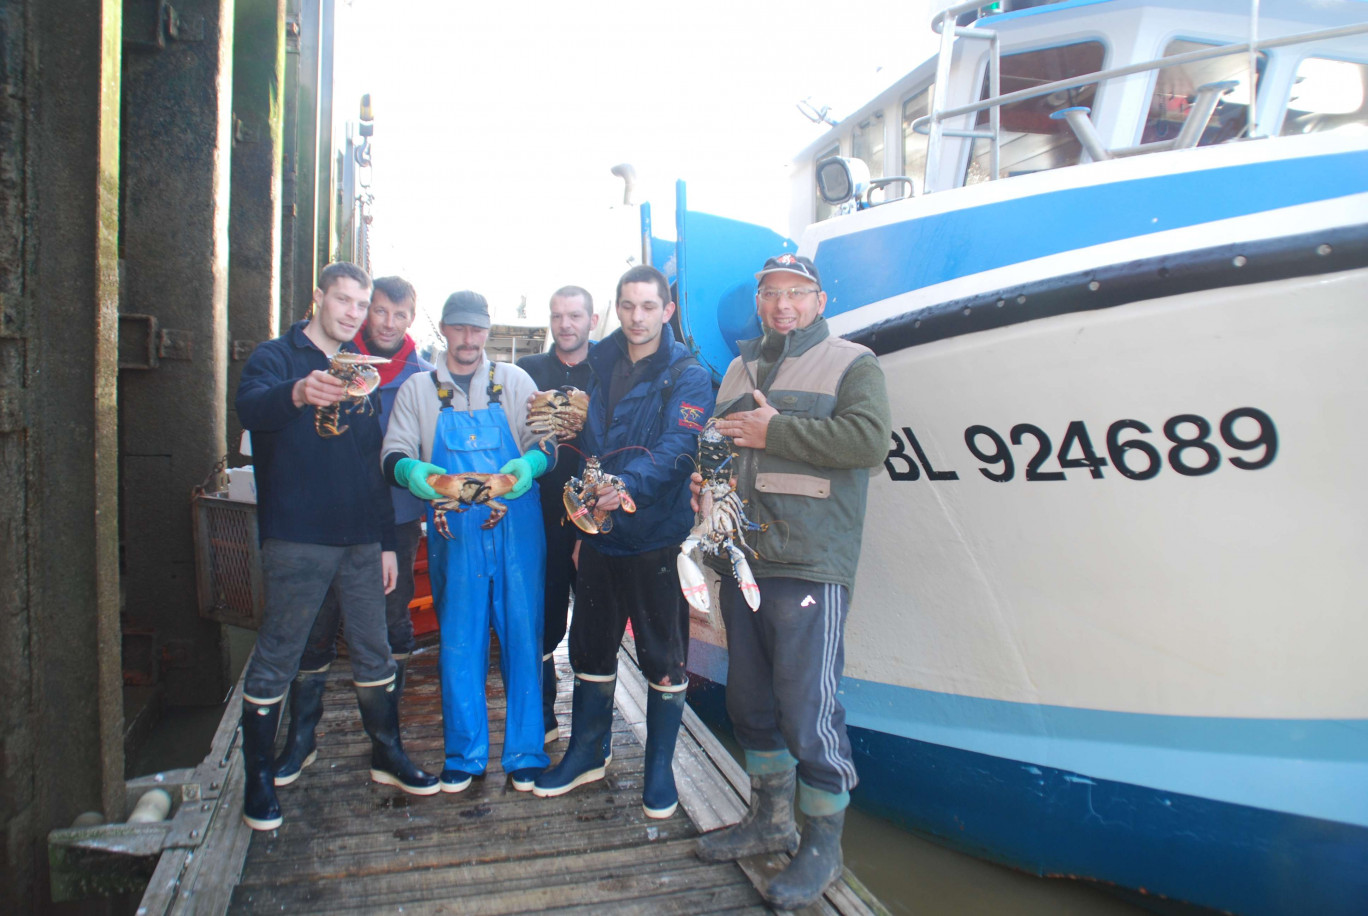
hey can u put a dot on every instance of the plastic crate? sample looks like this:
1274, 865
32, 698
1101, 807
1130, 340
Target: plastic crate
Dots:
228, 561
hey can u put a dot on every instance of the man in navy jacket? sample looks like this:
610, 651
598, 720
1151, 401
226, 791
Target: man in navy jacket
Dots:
393, 307
325, 520
647, 403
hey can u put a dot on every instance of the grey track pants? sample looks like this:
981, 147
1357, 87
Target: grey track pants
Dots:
784, 664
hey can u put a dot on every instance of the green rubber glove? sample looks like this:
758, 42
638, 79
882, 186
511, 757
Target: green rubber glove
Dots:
413, 474
527, 468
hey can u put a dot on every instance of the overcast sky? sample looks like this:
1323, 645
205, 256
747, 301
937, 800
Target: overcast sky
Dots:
496, 125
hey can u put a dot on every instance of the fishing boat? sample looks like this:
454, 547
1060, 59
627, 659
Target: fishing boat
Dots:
1113, 258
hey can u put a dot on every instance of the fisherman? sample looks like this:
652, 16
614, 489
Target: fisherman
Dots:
572, 319
393, 306
647, 400
808, 413
469, 415
311, 539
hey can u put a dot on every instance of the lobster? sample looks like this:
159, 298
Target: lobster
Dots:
461, 491
720, 525
581, 497
357, 371
557, 414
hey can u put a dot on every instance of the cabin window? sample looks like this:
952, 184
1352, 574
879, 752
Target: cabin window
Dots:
913, 143
1175, 87
867, 143
1328, 95
1029, 140
824, 209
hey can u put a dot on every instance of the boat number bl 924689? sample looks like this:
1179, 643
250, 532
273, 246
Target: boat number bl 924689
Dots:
1188, 449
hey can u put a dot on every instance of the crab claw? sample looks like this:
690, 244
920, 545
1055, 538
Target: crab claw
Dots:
691, 581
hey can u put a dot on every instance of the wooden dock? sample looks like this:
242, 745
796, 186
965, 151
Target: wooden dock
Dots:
350, 846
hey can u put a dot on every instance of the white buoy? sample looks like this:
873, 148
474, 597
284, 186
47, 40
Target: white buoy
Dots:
88, 819
152, 807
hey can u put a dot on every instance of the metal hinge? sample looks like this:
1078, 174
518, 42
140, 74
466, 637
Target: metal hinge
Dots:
143, 343
149, 24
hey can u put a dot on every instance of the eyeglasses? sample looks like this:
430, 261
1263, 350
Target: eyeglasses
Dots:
773, 295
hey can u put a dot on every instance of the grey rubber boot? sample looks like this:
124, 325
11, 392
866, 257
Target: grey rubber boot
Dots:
306, 709
767, 826
815, 865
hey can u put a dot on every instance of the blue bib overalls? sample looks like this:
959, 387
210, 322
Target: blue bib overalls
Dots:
481, 576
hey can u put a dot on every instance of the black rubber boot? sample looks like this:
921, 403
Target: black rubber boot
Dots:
815, 865
306, 709
400, 670
549, 722
664, 711
389, 764
591, 722
767, 826
260, 810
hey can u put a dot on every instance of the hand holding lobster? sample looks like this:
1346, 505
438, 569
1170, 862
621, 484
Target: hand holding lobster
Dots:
357, 376
721, 522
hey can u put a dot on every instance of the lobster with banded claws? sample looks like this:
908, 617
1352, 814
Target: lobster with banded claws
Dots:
720, 526
461, 491
558, 414
581, 496
358, 373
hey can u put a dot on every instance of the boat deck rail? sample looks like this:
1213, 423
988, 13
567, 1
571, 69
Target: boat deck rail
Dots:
931, 124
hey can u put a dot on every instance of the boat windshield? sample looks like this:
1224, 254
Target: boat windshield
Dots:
1328, 95
1031, 141
1175, 87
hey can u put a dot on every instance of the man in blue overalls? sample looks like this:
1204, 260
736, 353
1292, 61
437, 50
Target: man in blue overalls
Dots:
469, 415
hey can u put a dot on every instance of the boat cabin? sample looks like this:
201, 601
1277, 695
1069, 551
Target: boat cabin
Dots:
1061, 84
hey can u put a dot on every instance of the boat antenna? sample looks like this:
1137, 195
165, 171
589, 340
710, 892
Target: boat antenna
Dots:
814, 114
1253, 110
625, 171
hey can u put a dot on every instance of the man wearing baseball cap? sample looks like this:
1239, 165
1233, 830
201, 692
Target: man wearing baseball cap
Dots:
808, 414
469, 415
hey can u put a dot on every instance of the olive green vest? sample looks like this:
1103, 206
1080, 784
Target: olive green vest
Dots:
815, 514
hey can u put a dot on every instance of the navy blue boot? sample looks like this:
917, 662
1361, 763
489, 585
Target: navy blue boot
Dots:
591, 724
389, 764
664, 712
306, 709
260, 810
549, 700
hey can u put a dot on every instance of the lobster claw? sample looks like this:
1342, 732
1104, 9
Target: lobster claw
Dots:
744, 578
580, 514
625, 501
691, 581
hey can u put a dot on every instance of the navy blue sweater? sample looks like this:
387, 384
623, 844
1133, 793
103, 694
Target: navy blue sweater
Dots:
665, 415
310, 490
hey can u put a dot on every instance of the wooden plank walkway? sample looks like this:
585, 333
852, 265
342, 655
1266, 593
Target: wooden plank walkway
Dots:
350, 846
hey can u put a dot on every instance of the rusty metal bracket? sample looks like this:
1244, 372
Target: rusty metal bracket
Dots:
138, 339
11, 316
176, 344
149, 24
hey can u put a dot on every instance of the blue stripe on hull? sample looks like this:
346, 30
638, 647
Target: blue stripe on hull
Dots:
1053, 822
871, 265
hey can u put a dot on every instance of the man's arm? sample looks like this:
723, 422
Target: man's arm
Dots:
855, 436
403, 437
690, 403
265, 395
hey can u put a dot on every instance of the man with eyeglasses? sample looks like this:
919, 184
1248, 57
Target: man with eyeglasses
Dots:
808, 414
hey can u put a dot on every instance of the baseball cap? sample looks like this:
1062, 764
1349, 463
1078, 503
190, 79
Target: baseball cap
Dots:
466, 307
790, 263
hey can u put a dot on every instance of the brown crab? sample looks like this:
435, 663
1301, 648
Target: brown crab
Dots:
558, 414
461, 491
